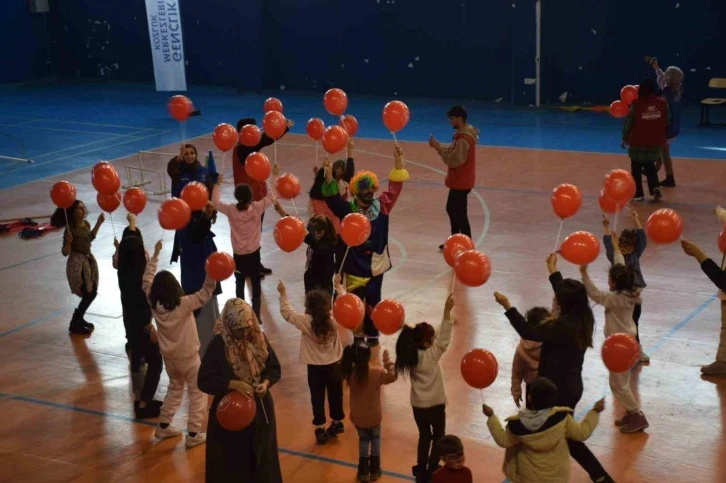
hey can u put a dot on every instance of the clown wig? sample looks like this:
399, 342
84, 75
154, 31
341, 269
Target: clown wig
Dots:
364, 180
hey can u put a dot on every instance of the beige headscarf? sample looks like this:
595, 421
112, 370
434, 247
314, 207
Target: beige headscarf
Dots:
246, 356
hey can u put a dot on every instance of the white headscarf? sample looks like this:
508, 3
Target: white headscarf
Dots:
246, 356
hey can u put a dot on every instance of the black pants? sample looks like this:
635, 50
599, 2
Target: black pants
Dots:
456, 208
248, 266
370, 294
651, 174
86, 301
141, 347
322, 379
636, 317
431, 424
584, 457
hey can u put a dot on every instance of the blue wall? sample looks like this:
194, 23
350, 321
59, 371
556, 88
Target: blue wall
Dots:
463, 49
26, 43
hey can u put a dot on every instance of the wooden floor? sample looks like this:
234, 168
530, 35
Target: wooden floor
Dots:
66, 401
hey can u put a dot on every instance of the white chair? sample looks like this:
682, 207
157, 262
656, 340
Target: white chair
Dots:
706, 104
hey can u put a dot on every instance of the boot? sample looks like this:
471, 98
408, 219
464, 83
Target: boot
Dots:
419, 473
376, 471
636, 423
668, 182
364, 473
77, 327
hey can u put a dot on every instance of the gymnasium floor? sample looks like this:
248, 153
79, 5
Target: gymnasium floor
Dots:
66, 400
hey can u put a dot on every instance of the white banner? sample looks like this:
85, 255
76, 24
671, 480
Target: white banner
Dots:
167, 46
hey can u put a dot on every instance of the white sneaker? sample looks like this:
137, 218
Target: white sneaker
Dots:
168, 432
192, 441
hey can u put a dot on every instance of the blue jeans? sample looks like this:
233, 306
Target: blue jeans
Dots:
369, 439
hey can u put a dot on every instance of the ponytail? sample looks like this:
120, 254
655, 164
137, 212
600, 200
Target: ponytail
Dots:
355, 362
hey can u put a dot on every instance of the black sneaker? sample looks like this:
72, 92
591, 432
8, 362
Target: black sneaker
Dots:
79, 329
375, 468
363, 470
668, 182
152, 403
657, 196
335, 428
265, 271
88, 324
147, 412
321, 437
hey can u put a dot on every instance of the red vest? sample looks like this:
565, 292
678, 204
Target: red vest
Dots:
650, 120
463, 177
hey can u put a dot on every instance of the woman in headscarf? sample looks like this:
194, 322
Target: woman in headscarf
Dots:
240, 358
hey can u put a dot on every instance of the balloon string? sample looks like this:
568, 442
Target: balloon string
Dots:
317, 146
224, 156
343, 262
297, 213
183, 130
482, 396
394, 138
68, 226
723, 260
615, 221
264, 411
453, 283
559, 233
342, 122
110, 215
274, 146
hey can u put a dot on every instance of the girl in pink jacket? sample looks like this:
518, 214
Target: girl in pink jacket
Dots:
526, 358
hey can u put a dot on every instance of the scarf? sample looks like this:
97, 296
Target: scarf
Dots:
246, 356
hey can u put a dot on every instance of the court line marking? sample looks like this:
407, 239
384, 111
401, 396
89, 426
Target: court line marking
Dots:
120, 417
30, 119
25, 126
27, 261
32, 323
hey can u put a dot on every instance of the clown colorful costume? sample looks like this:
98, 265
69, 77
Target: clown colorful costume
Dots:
365, 264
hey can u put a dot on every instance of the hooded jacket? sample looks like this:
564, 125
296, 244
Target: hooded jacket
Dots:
525, 365
536, 443
460, 157
178, 338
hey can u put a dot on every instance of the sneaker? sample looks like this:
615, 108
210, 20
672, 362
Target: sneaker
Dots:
644, 358
265, 271
321, 437
657, 196
88, 324
375, 466
623, 421
363, 470
196, 440
79, 329
636, 422
668, 182
335, 428
716, 368
168, 432
639, 198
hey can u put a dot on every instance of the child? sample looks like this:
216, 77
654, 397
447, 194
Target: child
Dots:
179, 344
365, 383
343, 172
536, 439
321, 350
619, 303
418, 351
452, 454
526, 357
245, 221
320, 266
644, 134
670, 83
632, 245
143, 341
81, 269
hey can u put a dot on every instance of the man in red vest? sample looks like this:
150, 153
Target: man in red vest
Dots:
460, 158
644, 135
239, 156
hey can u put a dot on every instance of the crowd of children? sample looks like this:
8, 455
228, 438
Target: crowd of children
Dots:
548, 360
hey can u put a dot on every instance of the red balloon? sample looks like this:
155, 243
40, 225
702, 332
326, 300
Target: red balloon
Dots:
235, 412
606, 204
335, 139
628, 94
388, 316
355, 229
257, 166
335, 102
455, 245
479, 368
315, 128
395, 116
350, 124
101, 164
566, 200
135, 200
664, 226
722, 241
109, 203
472, 268
174, 214
225, 137
580, 248
196, 195
105, 179
619, 186
288, 185
220, 266
289, 233
620, 352
180, 108
349, 311
63, 194
250, 135
619, 109
273, 104
274, 124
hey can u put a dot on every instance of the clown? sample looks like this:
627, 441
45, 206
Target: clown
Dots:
365, 265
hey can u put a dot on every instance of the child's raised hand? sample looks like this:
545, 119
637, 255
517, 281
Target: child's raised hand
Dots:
488, 412
583, 269
386, 357
275, 170
289, 123
502, 300
157, 248
130, 217
101, 219
338, 279
448, 306
281, 287
115, 243
552, 263
605, 222
599, 406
